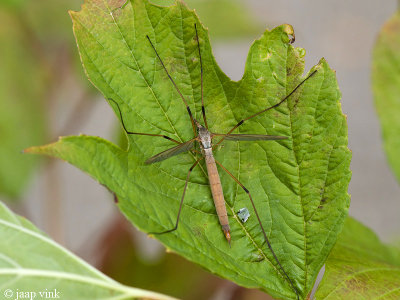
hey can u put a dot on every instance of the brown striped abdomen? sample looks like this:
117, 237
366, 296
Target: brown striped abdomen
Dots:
216, 190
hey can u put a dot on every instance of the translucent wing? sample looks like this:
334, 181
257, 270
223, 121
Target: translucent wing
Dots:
250, 137
171, 152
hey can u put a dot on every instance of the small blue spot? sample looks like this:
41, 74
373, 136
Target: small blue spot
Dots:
243, 214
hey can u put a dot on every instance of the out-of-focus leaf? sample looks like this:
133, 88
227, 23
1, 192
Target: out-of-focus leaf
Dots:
32, 262
50, 22
22, 93
360, 267
386, 87
13, 4
299, 185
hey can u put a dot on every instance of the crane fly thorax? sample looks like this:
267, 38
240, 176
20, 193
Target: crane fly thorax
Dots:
204, 137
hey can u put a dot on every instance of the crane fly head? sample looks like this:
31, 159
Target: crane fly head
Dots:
198, 125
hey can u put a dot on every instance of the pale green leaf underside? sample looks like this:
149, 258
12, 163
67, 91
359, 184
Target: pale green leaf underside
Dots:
32, 262
386, 87
299, 185
360, 267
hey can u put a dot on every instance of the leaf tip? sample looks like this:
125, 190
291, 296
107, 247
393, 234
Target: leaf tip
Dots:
26, 150
43, 149
73, 14
169, 250
288, 29
322, 65
70, 13
34, 149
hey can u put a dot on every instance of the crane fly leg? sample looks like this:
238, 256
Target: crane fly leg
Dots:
262, 228
183, 197
266, 109
139, 133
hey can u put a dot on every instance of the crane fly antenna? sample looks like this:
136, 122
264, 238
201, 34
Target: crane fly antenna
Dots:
203, 111
266, 109
176, 87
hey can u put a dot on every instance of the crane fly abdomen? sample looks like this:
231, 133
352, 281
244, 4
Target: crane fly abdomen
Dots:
217, 193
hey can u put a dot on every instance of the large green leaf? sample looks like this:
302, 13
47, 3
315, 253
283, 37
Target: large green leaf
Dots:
22, 91
360, 267
32, 262
386, 87
299, 185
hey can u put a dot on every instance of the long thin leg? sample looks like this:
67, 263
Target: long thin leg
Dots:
148, 134
262, 228
183, 197
139, 133
266, 109
203, 111
176, 87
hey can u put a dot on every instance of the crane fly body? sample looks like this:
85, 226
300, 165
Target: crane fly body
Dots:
204, 137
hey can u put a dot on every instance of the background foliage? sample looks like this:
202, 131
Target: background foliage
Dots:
386, 87
360, 266
22, 92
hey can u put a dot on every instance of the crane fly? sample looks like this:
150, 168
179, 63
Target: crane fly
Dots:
204, 137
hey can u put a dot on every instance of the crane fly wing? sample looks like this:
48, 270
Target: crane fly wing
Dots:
251, 137
184, 147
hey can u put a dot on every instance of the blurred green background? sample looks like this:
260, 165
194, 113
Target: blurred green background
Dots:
45, 94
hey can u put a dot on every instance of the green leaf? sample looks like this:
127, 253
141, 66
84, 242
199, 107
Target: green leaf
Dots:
386, 88
360, 266
299, 185
22, 91
32, 262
